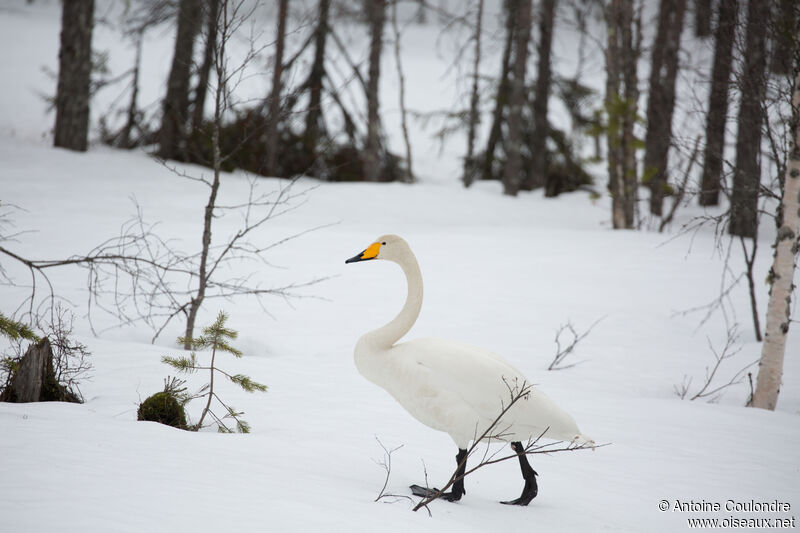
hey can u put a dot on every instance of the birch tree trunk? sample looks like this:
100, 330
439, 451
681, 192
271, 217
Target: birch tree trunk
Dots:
770, 368
74, 75
512, 174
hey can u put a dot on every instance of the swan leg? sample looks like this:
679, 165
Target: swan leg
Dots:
529, 475
458, 485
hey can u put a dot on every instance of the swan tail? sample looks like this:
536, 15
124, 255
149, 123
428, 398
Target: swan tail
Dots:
582, 441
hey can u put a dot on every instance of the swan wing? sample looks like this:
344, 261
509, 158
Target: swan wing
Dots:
464, 388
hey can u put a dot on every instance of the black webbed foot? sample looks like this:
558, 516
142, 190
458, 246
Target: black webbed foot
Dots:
458, 486
528, 493
452, 496
531, 488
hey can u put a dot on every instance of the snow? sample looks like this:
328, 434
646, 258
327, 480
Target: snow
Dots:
499, 272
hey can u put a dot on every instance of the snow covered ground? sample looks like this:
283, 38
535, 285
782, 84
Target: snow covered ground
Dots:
499, 272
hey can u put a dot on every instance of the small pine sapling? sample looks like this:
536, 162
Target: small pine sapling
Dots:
215, 337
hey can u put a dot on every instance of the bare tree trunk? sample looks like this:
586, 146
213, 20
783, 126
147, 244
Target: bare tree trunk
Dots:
632, 47
702, 16
74, 75
315, 78
770, 369
537, 174
210, 390
503, 87
718, 102
273, 115
512, 174
615, 158
470, 168
220, 68
402, 92
125, 135
752, 83
622, 96
784, 27
173, 134
661, 103
372, 151
204, 73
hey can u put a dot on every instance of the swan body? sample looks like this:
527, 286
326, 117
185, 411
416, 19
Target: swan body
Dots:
452, 386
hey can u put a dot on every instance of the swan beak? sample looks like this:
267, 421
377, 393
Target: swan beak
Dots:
370, 253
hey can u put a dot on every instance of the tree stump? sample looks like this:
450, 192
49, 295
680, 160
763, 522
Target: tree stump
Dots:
35, 379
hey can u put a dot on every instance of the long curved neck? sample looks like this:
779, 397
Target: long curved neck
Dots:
389, 334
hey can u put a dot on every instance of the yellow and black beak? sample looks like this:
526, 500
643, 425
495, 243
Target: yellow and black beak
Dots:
370, 253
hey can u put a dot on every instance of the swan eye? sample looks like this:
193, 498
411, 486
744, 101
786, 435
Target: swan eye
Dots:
383, 243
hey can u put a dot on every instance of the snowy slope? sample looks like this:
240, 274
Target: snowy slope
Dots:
501, 273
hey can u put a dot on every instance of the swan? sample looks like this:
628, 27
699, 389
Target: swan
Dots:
451, 386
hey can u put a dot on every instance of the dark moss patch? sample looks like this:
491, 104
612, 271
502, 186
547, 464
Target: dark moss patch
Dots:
164, 408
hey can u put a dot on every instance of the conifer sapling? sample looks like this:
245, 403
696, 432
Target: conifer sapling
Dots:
215, 337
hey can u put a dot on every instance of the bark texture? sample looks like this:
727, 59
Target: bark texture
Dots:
315, 78
621, 102
785, 17
702, 17
718, 102
372, 151
752, 84
470, 169
35, 378
661, 103
512, 174
770, 369
401, 78
537, 174
503, 89
173, 134
74, 75
211, 14
273, 115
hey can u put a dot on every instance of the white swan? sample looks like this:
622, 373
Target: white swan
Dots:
451, 386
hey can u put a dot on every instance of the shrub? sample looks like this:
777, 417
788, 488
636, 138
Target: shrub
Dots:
164, 408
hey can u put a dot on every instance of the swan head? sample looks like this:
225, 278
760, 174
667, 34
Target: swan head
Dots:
389, 247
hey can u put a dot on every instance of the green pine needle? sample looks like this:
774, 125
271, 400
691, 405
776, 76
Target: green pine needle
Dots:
182, 364
16, 330
248, 384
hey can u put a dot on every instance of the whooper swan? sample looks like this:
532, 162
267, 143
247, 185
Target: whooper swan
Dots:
451, 386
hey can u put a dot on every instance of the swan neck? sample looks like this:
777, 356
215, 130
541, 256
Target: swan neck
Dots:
405, 319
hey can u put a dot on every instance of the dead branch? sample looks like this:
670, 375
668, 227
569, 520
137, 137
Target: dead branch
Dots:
562, 353
676, 201
709, 388
386, 464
